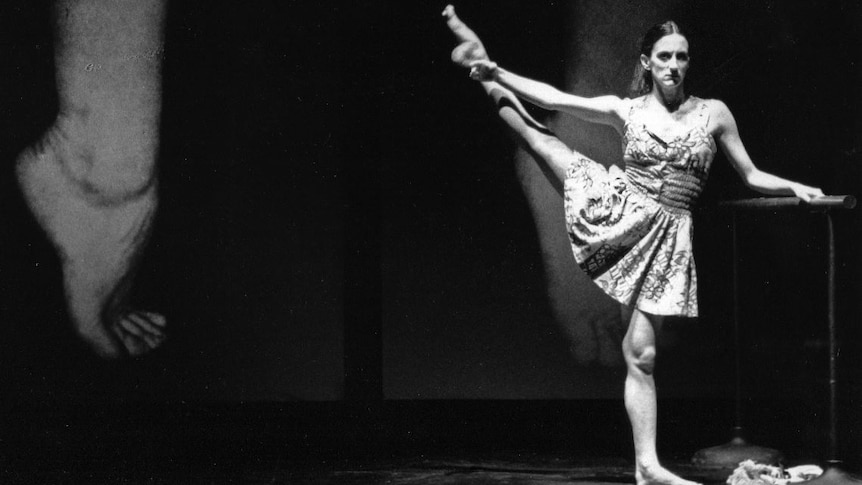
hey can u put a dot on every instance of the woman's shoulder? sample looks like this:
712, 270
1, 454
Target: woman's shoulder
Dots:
638, 100
629, 105
718, 115
718, 112
715, 106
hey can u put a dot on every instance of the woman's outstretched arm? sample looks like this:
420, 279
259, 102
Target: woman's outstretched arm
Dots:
754, 178
608, 110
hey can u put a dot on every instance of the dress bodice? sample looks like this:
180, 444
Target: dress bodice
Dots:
670, 170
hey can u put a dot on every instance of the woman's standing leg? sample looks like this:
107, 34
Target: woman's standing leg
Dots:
639, 351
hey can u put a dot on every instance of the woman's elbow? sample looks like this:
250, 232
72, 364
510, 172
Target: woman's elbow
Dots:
755, 179
751, 178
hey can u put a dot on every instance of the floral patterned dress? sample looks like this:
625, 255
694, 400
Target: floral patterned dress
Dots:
631, 231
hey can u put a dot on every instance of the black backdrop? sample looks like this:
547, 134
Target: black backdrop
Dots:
341, 217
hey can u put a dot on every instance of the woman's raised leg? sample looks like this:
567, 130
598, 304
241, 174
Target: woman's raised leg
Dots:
553, 156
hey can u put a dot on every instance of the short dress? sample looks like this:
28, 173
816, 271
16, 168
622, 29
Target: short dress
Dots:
631, 230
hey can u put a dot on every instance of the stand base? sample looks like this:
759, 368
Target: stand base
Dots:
728, 456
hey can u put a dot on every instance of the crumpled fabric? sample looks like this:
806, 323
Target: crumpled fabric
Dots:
751, 473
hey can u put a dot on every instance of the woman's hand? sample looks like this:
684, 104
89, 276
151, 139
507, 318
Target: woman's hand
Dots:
483, 70
805, 192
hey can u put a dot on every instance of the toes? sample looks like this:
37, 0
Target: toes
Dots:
152, 323
155, 318
134, 345
131, 329
141, 331
152, 335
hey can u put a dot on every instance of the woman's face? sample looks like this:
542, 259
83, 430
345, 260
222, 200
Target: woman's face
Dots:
668, 61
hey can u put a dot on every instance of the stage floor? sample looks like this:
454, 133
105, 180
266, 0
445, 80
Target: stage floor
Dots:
431, 443
499, 468
513, 469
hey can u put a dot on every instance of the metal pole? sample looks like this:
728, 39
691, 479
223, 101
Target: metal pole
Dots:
833, 345
728, 455
737, 427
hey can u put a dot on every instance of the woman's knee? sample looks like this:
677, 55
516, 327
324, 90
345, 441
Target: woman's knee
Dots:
639, 344
641, 357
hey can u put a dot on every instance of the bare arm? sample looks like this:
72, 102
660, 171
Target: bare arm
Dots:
607, 110
756, 179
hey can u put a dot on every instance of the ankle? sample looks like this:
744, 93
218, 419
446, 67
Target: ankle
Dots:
100, 160
648, 466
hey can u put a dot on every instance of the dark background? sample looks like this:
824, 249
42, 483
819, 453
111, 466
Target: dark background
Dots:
345, 252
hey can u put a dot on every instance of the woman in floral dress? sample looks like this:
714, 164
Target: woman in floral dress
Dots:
631, 229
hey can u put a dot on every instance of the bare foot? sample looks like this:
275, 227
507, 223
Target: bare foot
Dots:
469, 47
99, 235
658, 475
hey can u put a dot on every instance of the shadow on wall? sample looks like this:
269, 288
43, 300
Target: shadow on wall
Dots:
600, 53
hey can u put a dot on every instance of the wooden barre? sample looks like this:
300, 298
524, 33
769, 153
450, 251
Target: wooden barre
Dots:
827, 202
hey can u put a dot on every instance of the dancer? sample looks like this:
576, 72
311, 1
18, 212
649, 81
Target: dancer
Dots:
631, 230
90, 181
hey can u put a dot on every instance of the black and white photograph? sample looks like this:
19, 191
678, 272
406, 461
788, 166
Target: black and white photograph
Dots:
469, 242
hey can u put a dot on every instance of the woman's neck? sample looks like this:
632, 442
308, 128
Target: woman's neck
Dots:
670, 99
